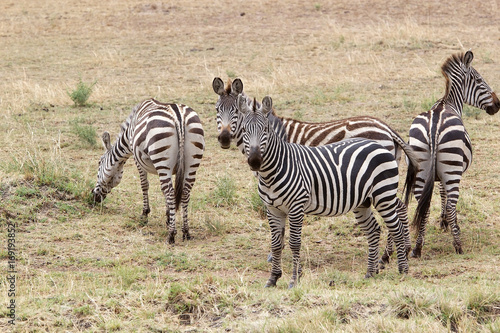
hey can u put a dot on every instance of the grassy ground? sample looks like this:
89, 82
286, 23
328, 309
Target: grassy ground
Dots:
98, 268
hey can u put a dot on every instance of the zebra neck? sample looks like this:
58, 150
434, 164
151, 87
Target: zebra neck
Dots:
275, 160
121, 150
454, 99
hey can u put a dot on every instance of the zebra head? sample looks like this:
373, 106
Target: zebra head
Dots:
476, 91
256, 129
109, 173
227, 117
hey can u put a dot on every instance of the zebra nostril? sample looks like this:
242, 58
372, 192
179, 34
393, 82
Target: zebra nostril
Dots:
224, 139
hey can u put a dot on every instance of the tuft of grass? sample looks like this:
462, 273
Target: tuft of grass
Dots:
231, 74
48, 171
128, 275
82, 92
257, 205
225, 191
86, 133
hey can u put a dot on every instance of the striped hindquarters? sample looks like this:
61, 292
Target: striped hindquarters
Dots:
168, 139
444, 150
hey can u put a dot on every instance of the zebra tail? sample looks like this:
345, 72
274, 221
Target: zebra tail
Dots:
413, 166
179, 174
424, 202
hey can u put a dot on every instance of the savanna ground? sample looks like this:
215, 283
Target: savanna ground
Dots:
98, 268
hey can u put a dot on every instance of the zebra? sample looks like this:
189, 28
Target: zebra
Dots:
313, 134
165, 139
330, 180
443, 146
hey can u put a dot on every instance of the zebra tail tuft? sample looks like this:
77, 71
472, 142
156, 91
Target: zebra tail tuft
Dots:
179, 175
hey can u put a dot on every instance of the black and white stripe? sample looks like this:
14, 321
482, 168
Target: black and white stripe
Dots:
165, 139
330, 180
313, 134
443, 146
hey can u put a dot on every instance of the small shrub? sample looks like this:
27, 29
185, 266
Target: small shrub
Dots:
81, 94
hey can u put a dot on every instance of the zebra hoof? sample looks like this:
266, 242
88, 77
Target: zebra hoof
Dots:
458, 250
371, 274
416, 253
403, 269
291, 284
270, 284
171, 238
186, 236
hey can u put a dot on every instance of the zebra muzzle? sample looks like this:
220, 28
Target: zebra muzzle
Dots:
254, 159
224, 139
98, 197
492, 109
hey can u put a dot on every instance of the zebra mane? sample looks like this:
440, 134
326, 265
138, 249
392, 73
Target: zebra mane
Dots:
452, 62
228, 86
278, 126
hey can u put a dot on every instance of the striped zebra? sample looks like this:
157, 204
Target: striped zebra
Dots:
165, 139
313, 134
443, 146
330, 180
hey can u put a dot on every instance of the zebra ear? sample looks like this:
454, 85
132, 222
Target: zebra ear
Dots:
106, 141
237, 86
242, 104
218, 86
267, 105
468, 58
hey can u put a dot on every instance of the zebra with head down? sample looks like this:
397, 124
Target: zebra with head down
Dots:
165, 139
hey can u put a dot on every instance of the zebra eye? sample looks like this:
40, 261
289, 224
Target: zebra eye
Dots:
479, 80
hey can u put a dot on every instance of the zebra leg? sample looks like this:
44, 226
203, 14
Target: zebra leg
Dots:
277, 220
145, 198
369, 225
444, 208
451, 215
270, 255
186, 194
296, 218
168, 191
392, 213
389, 250
417, 250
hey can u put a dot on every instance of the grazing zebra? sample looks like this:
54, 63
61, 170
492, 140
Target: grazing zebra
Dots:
443, 146
331, 180
165, 139
313, 134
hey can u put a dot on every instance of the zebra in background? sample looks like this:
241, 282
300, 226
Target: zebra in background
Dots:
443, 146
331, 180
313, 134
165, 139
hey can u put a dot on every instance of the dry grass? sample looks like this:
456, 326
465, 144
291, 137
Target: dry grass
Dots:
84, 268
